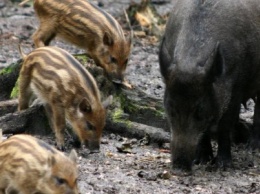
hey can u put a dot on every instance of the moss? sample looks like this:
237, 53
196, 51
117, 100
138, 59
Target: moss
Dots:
118, 117
11, 68
135, 108
117, 114
82, 58
126, 104
159, 112
15, 91
7, 70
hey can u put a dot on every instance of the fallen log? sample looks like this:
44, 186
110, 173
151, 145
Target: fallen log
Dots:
138, 130
9, 106
31, 121
34, 121
132, 113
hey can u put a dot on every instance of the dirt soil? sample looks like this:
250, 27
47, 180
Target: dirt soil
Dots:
144, 168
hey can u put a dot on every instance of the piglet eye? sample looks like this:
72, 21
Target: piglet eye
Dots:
113, 59
60, 181
90, 127
126, 61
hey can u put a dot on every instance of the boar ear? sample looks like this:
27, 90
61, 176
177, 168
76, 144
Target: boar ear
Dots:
73, 156
84, 106
165, 60
108, 101
218, 64
108, 40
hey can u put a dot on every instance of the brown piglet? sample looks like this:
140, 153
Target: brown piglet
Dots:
86, 26
67, 90
29, 165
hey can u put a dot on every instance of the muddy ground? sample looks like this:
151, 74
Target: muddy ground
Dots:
146, 168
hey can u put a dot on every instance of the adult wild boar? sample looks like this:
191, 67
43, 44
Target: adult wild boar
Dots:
210, 61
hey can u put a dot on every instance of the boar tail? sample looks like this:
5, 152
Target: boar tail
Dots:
24, 2
21, 52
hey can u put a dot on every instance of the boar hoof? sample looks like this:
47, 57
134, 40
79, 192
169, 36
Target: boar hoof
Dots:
181, 172
203, 158
223, 163
254, 144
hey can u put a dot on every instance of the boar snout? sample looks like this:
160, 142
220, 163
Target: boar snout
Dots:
183, 154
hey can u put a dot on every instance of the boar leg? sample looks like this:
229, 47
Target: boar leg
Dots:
43, 35
227, 123
224, 146
204, 151
255, 136
59, 124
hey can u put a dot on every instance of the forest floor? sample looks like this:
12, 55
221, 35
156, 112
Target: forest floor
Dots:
145, 168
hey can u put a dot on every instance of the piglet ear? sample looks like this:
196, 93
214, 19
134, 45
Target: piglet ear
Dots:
108, 101
51, 161
73, 156
108, 40
84, 106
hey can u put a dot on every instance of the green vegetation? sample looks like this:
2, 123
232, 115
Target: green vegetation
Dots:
117, 116
135, 108
11, 68
7, 70
15, 91
82, 58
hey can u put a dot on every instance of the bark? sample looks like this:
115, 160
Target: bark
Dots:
32, 121
138, 130
9, 106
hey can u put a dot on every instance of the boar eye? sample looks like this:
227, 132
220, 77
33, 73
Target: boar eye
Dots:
113, 59
200, 114
90, 127
60, 181
126, 61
